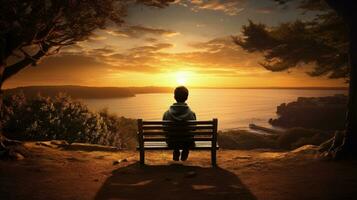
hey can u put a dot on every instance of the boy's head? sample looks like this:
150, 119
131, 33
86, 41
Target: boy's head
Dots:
181, 94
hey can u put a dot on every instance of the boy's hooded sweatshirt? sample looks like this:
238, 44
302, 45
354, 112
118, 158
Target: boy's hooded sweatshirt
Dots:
179, 112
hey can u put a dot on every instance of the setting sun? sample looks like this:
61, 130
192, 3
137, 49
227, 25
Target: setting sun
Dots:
182, 78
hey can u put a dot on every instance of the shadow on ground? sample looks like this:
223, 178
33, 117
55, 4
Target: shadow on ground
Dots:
173, 182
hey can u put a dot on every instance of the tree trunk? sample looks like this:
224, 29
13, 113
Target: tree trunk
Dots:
2, 137
9, 149
350, 141
348, 148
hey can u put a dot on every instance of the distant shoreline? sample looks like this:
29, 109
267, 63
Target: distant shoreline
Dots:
276, 88
147, 88
85, 92
89, 92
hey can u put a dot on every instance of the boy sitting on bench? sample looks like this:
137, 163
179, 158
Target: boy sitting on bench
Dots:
180, 112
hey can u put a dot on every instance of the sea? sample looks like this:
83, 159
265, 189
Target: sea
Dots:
234, 108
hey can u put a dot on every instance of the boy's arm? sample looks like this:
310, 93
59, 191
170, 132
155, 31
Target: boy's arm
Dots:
194, 116
164, 116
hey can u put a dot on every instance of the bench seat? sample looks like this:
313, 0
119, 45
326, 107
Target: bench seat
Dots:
160, 145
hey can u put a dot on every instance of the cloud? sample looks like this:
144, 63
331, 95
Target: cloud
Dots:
152, 48
96, 37
229, 7
151, 40
200, 25
218, 57
264, 10
141, 31
75, 48
219, 53
102, 51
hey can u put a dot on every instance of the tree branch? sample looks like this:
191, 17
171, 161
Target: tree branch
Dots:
13, 69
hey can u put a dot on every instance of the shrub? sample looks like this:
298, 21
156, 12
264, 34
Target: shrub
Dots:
297, 137
61, 118
245, 140
290, 139
123, 130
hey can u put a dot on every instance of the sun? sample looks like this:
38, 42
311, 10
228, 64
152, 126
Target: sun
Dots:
182, 78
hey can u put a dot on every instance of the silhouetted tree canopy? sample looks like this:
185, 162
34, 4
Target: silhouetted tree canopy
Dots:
31, 29
328, 40
322, 41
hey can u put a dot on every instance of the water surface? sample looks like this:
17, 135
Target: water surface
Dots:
234, 108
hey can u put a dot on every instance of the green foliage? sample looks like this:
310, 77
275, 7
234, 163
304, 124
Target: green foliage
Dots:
288, 140
297, 137
61, 118
245, 140
122, 130
321, 41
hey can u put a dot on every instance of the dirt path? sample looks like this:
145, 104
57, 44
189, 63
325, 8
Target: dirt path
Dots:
53, 173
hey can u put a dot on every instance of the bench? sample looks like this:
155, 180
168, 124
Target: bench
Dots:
152, 135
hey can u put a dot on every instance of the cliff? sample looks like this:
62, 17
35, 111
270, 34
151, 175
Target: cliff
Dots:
325, 113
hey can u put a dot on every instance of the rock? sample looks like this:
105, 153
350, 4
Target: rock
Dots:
306, 149
59, 142
14, 155
115, 162
18, 156
45, 144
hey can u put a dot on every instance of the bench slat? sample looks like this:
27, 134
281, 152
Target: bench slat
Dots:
177, 127
164, 139
163, 133
199, 145
171, 122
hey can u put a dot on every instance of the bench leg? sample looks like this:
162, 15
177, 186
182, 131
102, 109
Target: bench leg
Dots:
213, 157
142, 157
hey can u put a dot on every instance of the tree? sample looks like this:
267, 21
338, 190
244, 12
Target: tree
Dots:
33, 29
328, 41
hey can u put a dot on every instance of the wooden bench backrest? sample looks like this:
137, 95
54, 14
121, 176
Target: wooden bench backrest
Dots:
157, 130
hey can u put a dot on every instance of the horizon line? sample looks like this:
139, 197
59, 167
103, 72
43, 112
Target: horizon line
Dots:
195, 87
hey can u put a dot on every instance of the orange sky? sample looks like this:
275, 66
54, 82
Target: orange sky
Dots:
187, 43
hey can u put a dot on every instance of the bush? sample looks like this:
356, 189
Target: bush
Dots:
297, 137
245, 140
287, 140
61, 118
123, 130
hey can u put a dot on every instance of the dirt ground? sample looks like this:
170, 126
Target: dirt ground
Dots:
91, 172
